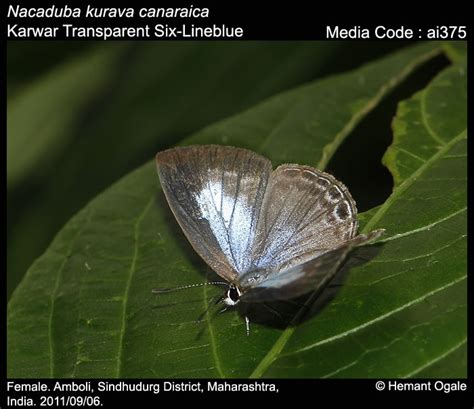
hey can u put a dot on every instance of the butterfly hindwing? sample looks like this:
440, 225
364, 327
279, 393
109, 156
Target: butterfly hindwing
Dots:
305, 213
299, 279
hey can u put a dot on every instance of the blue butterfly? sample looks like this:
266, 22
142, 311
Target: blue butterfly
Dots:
271, 234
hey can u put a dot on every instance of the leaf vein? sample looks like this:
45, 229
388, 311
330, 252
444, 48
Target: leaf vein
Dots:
410, 180
368, 351
212, 337
438, 358
424, 118
380, 317
131, 272
55, 292
423, 228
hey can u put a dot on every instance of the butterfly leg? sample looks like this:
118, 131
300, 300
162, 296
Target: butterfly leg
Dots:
219, 299
200, 318
247, 325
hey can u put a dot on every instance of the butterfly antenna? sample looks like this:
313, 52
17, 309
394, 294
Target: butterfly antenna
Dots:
184, 287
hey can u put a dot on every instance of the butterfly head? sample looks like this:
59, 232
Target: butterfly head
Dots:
232, 296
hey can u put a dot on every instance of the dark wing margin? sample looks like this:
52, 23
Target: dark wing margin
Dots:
303, 278
216, 192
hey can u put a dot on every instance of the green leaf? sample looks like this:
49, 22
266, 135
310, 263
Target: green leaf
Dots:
85, 308
407, 306
456, 51
111, 107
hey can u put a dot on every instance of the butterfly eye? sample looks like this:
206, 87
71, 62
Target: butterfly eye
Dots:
233, 294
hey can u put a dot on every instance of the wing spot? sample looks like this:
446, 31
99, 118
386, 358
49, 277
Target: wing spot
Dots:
333, 194
343, 211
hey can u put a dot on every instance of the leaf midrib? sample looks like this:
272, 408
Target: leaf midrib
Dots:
280, 343
328, 152
330, 148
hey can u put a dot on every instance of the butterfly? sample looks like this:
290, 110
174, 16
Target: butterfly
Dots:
271, 234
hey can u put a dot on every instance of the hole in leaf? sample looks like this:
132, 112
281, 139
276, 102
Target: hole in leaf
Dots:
358, 161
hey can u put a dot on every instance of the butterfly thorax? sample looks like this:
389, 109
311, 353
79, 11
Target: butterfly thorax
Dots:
252, 278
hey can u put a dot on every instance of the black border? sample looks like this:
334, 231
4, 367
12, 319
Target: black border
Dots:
289, 21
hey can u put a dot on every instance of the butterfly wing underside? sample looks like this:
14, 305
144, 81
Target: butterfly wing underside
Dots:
307, 226
310, 275
305, 213
215, 193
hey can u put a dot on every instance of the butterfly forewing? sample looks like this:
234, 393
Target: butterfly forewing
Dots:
305, 213
215, 193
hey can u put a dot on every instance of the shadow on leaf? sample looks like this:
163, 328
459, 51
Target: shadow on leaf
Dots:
292, 312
